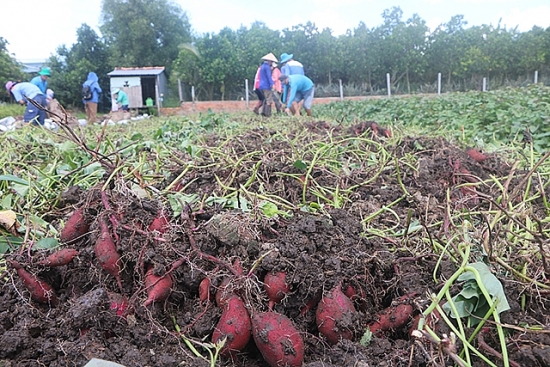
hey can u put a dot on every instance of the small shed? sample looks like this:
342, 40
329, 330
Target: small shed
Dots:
140, 84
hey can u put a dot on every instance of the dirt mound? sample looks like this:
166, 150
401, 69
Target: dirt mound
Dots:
363, 247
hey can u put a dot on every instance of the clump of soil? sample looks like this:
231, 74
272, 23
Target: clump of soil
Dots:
318, 250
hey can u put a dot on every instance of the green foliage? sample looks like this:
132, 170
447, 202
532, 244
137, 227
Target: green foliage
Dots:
70, 68
10, 69
470, 302
477, 118
144, 33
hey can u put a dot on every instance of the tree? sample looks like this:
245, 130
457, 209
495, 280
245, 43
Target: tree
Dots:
10, 69
70, 67
143, 32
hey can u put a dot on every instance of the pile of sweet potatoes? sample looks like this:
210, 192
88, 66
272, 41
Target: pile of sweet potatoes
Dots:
140, 268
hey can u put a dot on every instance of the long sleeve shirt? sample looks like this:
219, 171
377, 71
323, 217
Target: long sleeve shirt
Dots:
41, 84
25, 90
275, 74
122, 98
292, 67
266, 82
298, 83
92, 81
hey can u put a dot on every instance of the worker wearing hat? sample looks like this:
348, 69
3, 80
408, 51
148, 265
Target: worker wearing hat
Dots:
24, 93
289, 66
266, 82
41, 80
121, 99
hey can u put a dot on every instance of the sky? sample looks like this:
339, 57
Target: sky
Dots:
36, 28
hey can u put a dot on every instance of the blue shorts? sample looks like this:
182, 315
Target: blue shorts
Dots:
34, 114
306, 96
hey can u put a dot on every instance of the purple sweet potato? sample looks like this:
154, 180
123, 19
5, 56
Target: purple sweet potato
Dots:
77, 226
60, 257
40, 291
335, 315
276, 287
277, 339
234, 325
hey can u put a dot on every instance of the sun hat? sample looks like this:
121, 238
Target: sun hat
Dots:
285, 57
9, 85
270, 57
116, 90
44, 71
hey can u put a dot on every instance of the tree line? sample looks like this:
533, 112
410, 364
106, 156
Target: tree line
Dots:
137, 33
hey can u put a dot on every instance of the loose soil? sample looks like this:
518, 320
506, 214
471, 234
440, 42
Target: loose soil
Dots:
319, 251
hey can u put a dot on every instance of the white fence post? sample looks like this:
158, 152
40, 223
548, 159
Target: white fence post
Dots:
246, 91
180, 90
341, 90
193, 94
484, 88
536, 76
438, 84
388, 84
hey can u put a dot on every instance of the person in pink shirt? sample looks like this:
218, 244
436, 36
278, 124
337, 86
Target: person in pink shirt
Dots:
277, 86
258, 92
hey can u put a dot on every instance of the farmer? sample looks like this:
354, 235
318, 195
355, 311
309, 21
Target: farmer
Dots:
258, 92
301, 89
41, 80
24, 93
90, 104
277, 86
121, 99
266, 82
289, 66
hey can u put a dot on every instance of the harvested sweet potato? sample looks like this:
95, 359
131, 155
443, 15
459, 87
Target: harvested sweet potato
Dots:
59, 258
77, 226
160, 223
158, 287
276, 287
106, 252
40, 291
393, 317
204, 290
277, 339
234, 325
335, 315
476, 155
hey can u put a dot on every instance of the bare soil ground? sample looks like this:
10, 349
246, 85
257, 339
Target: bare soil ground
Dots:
94, 318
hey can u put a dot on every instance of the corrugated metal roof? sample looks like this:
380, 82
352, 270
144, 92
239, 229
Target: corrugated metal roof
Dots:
137, 71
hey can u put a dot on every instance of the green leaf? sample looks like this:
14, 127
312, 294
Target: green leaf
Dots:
300, 165
46, 243
491, 283
13, 178
269, 209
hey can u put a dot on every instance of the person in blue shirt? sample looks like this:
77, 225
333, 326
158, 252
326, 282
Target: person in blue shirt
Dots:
301, 89
24, 93
289, 66
90, 105
41, 80
266, 83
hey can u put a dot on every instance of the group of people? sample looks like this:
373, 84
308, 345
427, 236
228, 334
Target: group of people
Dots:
288, 87
36, 95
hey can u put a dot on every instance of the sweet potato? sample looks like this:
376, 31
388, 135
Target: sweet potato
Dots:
158, 287
476, 155
276, 287
334, 316
59, 258
235, 325
77, 226
393, 317
277, 339
40, 291
106, 253
204, 290
160, 223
